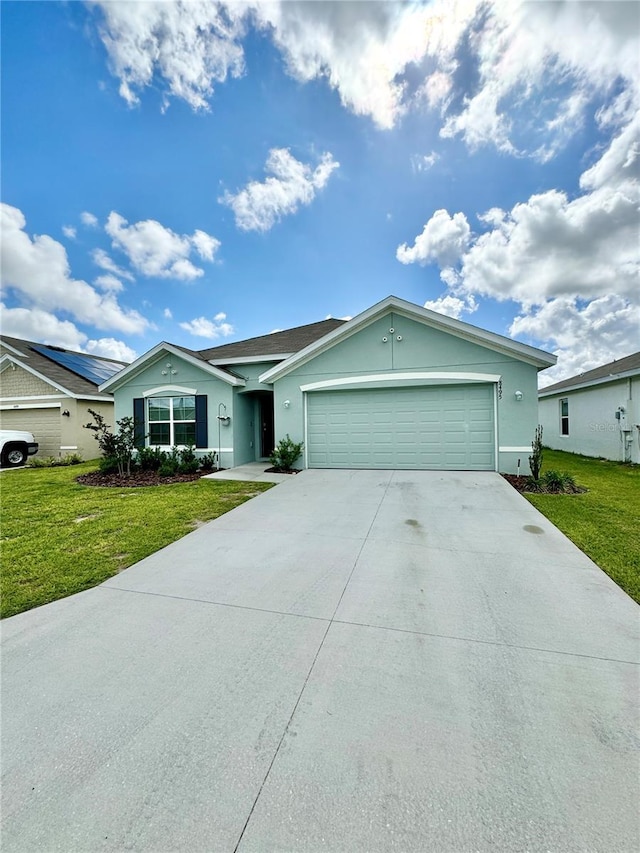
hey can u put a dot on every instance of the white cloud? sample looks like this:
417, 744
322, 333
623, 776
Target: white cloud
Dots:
360, 49
424, 162
452, 306
571, 264
105, 262
443, 240
34, 324
111, 348
291, 183
203, 328
37, 271
167, 314
583, 337
157, 251
109, 283
69, 231
189, 45
89, 219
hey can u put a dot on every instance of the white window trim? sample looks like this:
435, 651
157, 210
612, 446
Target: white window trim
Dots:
172, 422
170, 390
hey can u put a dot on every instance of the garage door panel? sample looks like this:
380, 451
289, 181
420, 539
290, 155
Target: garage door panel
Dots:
420, 427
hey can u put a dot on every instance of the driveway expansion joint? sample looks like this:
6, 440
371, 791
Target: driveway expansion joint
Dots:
483, 642
214, 603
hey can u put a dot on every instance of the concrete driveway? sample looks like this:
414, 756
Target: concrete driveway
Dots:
353, 661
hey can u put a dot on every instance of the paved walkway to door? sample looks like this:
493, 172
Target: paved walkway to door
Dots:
352, 661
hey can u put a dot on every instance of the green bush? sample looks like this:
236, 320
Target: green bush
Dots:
559, 482
188, 461
535, 460
208, 461
285, 453
150, 458
55, 461
108, 464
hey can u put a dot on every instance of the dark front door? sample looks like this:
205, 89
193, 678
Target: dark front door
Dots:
266, 425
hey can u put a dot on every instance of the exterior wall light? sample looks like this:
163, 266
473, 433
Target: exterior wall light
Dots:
518, 395
66, 413
286, 404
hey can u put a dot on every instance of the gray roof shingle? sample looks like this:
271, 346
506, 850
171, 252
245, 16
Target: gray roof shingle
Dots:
49, 369
277, 343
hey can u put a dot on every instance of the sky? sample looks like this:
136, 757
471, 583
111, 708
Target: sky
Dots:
201, 173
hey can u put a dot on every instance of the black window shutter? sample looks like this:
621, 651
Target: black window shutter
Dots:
138, 422
202, 432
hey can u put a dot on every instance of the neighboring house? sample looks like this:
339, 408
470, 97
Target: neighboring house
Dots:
398, 386
596, 413
48, 390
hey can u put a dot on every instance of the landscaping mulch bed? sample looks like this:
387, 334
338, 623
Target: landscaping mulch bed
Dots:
525, 484
135, 479
281, 471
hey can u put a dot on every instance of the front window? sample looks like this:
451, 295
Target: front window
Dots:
172, 420
564, 416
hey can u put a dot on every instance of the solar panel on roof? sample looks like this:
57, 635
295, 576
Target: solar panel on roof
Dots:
87, 366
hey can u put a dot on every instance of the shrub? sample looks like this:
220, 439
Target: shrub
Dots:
285, 453
108, 464
188, 461
55, 462
150, 458
208, 461
559, 482
119, 446
535, 460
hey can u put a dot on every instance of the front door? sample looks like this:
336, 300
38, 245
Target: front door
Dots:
266, 425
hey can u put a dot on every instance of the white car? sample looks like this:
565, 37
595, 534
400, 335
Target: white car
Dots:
15, 447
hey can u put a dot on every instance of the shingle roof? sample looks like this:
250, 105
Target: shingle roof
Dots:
610, 370
277, 343
49, 369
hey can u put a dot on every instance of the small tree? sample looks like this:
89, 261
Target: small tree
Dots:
535, 460
117, 446
285, 453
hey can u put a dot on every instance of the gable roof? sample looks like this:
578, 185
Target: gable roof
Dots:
617, 369
182, 352
31, 356
274, 347
466, 331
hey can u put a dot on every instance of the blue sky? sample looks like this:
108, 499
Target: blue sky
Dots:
203, 173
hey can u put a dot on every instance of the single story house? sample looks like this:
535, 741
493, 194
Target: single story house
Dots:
596, 413
48, 390
398, 386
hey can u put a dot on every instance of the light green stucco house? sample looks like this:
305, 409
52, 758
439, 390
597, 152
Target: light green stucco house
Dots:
398, 386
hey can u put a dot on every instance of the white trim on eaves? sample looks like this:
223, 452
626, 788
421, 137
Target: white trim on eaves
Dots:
490, 340
154, 356
424, 377
250, 359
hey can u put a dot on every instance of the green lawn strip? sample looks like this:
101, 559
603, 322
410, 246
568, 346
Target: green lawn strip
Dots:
605, 521
59, 537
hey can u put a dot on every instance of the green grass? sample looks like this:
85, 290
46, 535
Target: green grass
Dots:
605, 521
59, 537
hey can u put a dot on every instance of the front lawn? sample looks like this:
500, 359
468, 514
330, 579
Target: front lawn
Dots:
605, 521
59, 537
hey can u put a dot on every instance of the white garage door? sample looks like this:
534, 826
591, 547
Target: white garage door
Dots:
432, 427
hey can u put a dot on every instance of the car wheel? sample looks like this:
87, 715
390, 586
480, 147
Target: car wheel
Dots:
14, 456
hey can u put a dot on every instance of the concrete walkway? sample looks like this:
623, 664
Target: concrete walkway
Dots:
352, 661
250, 472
